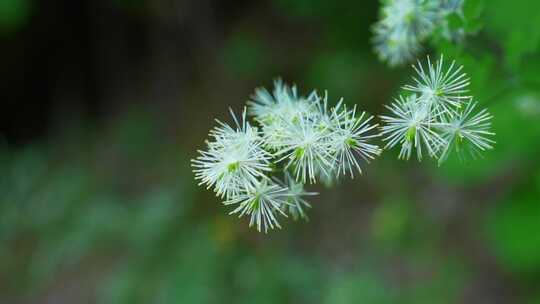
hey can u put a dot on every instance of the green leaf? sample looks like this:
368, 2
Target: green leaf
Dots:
511, 230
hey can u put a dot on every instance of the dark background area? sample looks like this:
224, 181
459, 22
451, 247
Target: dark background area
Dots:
93, 58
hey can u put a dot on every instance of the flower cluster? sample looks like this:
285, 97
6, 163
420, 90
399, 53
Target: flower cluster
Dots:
405, 24
306, 140
302, 136
437, 116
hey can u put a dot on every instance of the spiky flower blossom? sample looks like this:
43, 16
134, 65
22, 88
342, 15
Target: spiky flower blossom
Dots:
308, 137
405, 24
411, 127
234, 160
262, 203
299, 135
306, 148
441, 91
467, 133
436, 116
351, 139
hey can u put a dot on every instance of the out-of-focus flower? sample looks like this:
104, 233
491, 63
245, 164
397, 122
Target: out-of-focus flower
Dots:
452, 5
405, 24
528, 104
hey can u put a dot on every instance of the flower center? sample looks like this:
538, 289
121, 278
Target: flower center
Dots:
232, 167
351, 142
409, 136
299, 152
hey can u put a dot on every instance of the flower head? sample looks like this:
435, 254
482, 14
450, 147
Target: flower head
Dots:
442, 89
284, 102
350, 137
234, 160
262, 203
404, 24
437, 115
411, 126
466, 132
305, 147
275, 112
395, 47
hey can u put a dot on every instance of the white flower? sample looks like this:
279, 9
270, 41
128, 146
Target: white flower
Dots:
234, 160
412, 127
437, 115
396, 46
404, 24
262, 203
276, 112
306, 148
442, 89
282, 102
464, 132
301, 136
350, 140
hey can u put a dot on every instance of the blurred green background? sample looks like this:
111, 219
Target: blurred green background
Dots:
105, 102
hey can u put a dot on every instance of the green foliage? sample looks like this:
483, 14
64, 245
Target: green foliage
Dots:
360, 288
244, 55
14, 14
515, 25
511, 226
340, 72
391, 221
